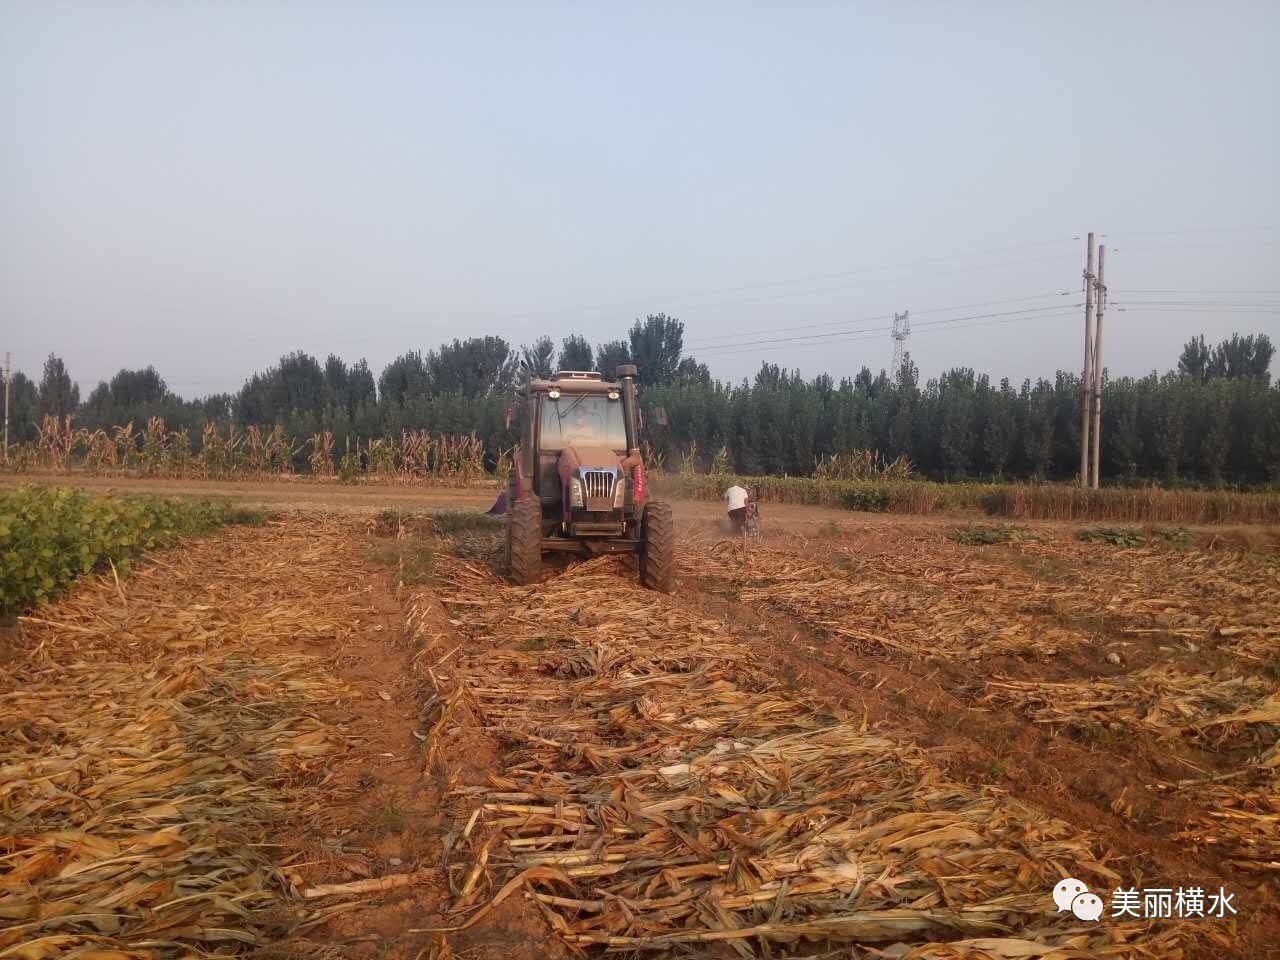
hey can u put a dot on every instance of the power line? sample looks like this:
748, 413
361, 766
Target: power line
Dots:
1178, 233
879, 334
1199, 291
808, 278
1142, 308
884, 316
1207, 304
813, 337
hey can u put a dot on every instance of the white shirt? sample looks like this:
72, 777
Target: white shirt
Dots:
736, 497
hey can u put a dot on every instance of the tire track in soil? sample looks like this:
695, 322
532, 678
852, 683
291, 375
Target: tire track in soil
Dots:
1090, 789
382, 818
389, 812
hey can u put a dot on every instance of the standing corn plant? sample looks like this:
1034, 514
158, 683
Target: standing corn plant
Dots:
322, 454
177, 454
57, 441
154, 442
383, 458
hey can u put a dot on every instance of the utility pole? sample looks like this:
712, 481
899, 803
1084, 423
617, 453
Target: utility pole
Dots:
1097, 367
6, 406
901, 330
1087, 379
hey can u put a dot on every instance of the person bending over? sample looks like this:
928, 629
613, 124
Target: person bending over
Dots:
736, 498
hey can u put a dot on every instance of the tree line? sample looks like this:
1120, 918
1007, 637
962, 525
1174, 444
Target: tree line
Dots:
1214, 418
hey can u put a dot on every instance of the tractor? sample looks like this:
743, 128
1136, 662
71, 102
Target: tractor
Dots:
578, 482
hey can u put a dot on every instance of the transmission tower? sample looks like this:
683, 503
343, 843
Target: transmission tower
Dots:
901, 330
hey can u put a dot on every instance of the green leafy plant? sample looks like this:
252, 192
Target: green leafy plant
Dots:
1115, 536
459, 521
1132, 537
348, 468
868, 498
984, 535
49, 536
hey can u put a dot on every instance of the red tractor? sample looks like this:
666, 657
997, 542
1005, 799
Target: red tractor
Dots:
578, 483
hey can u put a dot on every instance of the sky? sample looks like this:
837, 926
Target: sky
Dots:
206, 186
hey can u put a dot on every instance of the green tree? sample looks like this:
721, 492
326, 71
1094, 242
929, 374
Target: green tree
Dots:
539, 358
1036, 426
361, 390
216, 408
1000, 430
296, 383
1242, 357
690, 372
23, 403
475, 367
1213, 429
901, 398
609, 355
1169, 432
336, 381
575, 354
1238, 357
1195, 359
1068, 399
403, 379
1122, 451
955, 398
1266, 439
57, 395
656, 344
131, 396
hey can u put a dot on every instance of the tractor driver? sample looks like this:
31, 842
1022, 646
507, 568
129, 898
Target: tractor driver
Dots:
584, 423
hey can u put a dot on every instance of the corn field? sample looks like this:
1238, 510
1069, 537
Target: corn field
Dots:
254, 453
1021, 500
862, 465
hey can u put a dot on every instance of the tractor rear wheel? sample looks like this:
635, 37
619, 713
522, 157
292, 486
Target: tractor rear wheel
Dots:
524, 540
657, 547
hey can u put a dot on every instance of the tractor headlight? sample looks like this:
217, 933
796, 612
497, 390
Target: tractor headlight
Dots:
575, 493
619, 492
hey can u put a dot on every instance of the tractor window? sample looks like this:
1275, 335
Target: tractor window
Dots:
583, 420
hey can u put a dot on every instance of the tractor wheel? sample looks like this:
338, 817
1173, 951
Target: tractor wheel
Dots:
524, 540
657, 547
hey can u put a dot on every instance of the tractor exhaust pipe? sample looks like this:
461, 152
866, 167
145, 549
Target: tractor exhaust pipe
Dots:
626, 374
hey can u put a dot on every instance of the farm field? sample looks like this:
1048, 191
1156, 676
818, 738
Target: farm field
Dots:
341, 734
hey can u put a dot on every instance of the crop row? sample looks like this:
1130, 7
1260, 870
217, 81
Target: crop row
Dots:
234, 453
1027, 501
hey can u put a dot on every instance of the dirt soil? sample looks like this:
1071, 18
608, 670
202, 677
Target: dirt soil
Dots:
390, 807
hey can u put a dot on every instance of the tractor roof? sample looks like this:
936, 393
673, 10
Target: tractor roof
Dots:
574, 381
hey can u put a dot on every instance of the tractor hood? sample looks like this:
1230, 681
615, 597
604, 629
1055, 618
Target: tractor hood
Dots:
572, 458
590, 478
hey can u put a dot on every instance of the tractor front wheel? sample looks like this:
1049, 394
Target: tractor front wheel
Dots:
657, 547
524, 540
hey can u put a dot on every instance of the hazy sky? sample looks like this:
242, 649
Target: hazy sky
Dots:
206, 186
